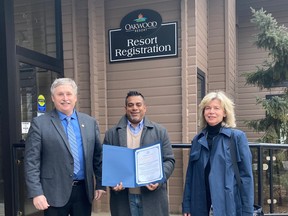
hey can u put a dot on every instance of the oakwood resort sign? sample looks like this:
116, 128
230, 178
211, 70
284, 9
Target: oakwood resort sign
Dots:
143, 36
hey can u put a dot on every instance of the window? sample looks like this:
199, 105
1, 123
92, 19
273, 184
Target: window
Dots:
35, 26
201, 85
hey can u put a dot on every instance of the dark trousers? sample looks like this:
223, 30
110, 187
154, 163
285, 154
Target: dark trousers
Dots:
78, 204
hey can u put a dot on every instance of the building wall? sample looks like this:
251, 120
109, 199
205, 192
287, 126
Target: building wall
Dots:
216, 46
222, 46
230, 48
159, 79
97, 55
201, 18
188, 97
189, 61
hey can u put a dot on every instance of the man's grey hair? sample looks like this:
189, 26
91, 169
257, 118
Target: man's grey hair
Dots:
63, 81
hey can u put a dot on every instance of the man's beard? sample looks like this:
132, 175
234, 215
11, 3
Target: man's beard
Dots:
134, 120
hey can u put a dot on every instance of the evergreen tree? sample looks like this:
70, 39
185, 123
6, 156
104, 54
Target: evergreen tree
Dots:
272, 73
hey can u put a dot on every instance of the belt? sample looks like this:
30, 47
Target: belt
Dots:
77, 182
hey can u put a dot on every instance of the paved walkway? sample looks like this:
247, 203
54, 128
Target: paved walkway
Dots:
100, 214
108, 214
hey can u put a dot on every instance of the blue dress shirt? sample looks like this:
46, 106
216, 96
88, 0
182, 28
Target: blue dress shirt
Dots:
137, 129
76, 127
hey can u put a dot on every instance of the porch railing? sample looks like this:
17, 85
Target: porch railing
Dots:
270, 169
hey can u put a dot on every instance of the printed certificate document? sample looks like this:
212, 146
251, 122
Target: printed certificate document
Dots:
133, 167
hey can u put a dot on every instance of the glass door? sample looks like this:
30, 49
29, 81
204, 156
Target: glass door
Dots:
35, 85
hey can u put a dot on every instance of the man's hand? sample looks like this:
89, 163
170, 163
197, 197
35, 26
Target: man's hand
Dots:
40, 202
98, 194
118, 187
152, 187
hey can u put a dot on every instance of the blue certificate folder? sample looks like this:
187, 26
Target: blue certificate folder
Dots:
133, 167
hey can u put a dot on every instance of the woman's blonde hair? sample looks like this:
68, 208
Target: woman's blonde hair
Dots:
226, 103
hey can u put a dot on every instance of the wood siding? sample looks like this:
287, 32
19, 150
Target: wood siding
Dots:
222, 46
159, 80
201, 17
216, 45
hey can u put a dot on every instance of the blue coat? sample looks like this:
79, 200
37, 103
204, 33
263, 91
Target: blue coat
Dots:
225, 195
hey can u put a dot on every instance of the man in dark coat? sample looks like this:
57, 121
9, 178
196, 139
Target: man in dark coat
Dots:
132, 131
52, 179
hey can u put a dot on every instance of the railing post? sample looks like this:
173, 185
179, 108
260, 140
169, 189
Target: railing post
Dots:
260, 176
271, 185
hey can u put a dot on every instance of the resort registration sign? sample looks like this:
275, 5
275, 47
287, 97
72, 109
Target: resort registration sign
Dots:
143, 36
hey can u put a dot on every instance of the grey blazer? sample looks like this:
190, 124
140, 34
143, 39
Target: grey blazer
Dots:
155, 203
48, 161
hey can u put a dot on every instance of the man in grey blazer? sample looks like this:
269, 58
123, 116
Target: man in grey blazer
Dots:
59, 179
132, 131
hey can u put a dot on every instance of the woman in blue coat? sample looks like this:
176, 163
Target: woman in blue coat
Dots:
210, 179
